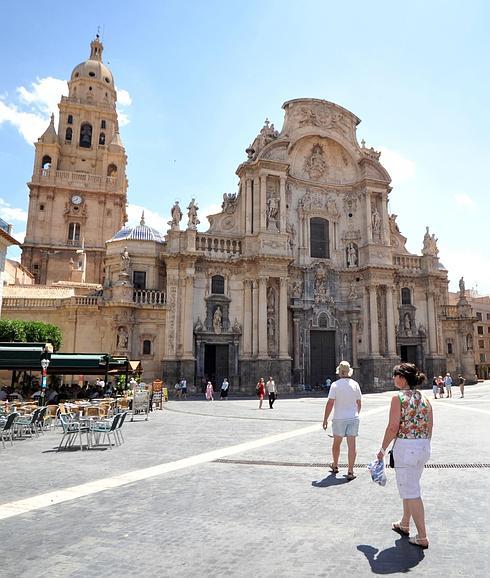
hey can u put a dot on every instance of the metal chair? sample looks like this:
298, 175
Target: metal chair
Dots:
71, 430
27, 423
106, 428
8, 428
118, 430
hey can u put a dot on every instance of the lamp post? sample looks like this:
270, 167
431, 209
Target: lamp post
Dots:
45, 361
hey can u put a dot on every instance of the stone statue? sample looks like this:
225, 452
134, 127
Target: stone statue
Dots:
271, 300
352, 291
375, 220
430, 244
217, 320
315, 164
270, 328
122, 338
192, 214
461, 287
351, 254
176, 214
407, 322
125, 260
272, 208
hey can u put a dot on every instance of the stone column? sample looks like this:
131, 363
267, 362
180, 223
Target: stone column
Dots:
248, 206
369, 231
247, 317
187, 320
353, 324
373, 314
255, 325
262, 317
282, 205
385, 220
263, 199
431, 319
390, 321
296, 343
283, 318
256, 206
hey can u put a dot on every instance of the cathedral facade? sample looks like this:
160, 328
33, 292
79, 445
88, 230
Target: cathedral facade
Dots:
303, 266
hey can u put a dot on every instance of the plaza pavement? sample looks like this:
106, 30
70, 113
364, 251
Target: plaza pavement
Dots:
223, 489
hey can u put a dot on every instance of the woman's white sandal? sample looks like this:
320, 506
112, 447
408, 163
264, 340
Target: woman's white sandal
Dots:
399, 529
416, 541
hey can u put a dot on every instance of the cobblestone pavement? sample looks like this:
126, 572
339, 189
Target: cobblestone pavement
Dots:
267, 507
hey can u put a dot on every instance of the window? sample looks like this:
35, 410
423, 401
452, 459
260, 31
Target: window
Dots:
482, 358
406, 296
449, 348
86, 135
488, 329
68, 134
319, 238
74, 232
102, 124
218, 284
41, 208
479, 316
102, 138
323, 320
146, 347
488, 316
139, 279
481, 344
46, 163
480, 329
69, 120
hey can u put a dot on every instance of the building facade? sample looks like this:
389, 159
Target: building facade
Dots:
304, 265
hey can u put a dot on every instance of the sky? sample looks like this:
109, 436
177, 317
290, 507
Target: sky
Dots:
196, 80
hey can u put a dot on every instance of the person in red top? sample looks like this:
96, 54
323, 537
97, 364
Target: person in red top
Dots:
260, 389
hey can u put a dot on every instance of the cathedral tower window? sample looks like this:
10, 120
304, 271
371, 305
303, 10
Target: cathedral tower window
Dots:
139, 279
68, 134
406, 296
102, 124
111, 170
86, 135
218, 285
46, 163
319, 238
146, 347
74, 233
102, 138
69, 120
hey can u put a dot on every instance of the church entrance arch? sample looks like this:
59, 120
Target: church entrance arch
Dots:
216, 363
322, 356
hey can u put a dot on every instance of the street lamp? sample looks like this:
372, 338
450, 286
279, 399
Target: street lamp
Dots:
45, 361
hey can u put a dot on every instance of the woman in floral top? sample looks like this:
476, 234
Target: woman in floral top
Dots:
410, 425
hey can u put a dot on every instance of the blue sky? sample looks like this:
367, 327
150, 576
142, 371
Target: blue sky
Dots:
197, 79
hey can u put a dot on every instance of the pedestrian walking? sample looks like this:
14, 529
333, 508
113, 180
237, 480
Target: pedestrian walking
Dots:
344, 399
440, 385
462, 381
435, 387
224, 389
209, 391
178, 390
410, 425
260, 390
271, 392
448, 383
183, 388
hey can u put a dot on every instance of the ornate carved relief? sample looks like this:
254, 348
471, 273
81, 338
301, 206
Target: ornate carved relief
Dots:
229, 203
319, 201
315, 165
351, 255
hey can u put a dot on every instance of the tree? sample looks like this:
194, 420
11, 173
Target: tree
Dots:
30, 331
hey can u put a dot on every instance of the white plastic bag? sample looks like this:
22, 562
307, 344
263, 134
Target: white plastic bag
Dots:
377, 470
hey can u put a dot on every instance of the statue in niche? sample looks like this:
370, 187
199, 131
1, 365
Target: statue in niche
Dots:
351, 255
176, 215
271, 330
430, 244
192, 214
469, 341
272, 210
122, 338
352, 291
407, 323
315, 164
198, 326
271, 300
375, 221
296, 289
125, 260
217, 320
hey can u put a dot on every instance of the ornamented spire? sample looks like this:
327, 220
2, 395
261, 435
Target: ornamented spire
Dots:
142, 222
96, 48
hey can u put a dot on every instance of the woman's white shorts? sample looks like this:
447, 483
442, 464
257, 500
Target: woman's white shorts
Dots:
410, 457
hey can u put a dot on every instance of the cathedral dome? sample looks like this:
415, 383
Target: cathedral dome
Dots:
139, 232
94, 68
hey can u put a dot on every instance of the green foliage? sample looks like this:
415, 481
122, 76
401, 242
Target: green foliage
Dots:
31, 331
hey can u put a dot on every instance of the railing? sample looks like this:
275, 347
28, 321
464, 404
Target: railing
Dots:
457, 312
78, 179
149, 297
30, 302
218, 245
407, 261
85, 101
86, 300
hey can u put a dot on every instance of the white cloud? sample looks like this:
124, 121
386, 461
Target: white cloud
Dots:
474, 266
464, 200
9, 213
399, 167
30, 113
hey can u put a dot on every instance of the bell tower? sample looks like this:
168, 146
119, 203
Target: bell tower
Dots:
78, 186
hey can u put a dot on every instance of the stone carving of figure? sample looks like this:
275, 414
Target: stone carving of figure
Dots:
469, 341
351, 254
198, 326
176, 214
122, 338
430, 244
375, 220
229, 203
271, 300
352, 291
407, 322
315, 164
270, 328
461, 287
217, 320
272, 208
125, 260
192, 214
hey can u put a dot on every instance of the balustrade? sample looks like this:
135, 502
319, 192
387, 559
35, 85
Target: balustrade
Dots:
149, 297
218, 245
71, 177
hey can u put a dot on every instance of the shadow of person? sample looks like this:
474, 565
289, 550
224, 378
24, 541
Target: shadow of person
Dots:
399, 558
330, 480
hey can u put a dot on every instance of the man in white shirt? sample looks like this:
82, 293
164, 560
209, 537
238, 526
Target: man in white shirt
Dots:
271, 392
345, 400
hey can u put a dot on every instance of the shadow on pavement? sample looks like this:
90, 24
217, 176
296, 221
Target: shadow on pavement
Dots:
330, 480
399, 558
